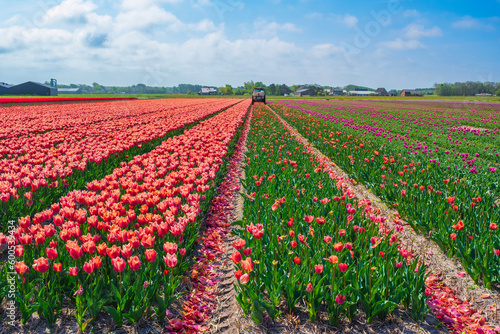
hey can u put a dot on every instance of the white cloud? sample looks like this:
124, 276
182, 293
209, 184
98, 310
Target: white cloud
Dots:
399, 44
263, 27
469, 22
326, 50
349, 20
144, 18
416, 31
142, 4
70, 10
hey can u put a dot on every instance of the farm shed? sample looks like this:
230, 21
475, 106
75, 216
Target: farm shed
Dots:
303, 92
69, 91
381, 92
208, 91
338, 91
33, 88
392, 92
361, 92
410, 92
4, 87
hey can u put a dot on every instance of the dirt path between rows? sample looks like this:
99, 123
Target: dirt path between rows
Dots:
228, 317
437, 262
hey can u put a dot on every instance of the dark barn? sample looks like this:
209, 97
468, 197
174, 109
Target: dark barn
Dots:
33, 88
4, 88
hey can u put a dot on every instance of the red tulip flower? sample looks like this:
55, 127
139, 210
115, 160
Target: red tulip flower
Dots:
342, 267
118, 264
239, 244
244, 279
126, 251
236, 257
338, 246
247, 264
113, 252
89, 267
41, 265
57, 267
19, 251
318, 268
73, 271
170, 248
296, 260
170, 260
76, 252
102, 249
78, 292
340, 299
97, 261
333, 259
148, 241
309, 287
238, 274
21, 268
493, 226
150, 255
134, 263
51, 253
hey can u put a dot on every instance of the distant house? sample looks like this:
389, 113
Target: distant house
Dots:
4, 87
483, 94
69, 91
303, 92
361, 92
337, 91
381, 92
410, 92
207, 91
33, 88
392, 92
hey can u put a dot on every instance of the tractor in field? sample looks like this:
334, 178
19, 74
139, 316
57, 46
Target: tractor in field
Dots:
258, 95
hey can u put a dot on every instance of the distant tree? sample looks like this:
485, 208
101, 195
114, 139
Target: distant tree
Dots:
272, 89
240, 91
249, 86
283, 89
228, 90
98, 89
498, 92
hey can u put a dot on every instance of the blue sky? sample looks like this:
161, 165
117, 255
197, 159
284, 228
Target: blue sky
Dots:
386, 43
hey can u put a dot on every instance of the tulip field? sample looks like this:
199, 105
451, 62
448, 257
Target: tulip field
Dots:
440, 166
304, 238
120, 212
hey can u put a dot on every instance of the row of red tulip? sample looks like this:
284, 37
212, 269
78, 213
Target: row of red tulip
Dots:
5, 100
305, 239
37, 168
123, 244
22, 120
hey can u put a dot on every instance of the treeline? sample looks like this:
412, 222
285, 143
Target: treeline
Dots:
246, 89
135, 89
468, 88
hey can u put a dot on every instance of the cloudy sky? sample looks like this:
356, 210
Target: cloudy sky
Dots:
386, 43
